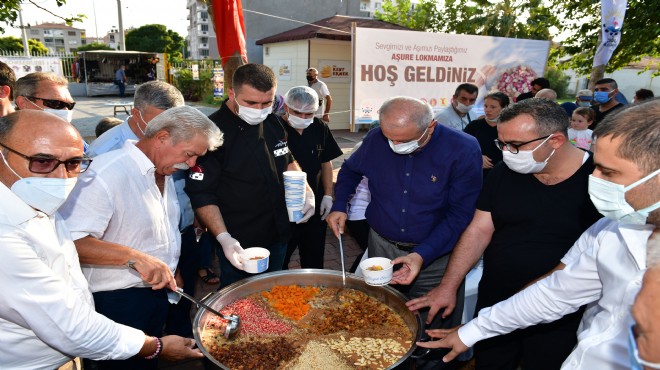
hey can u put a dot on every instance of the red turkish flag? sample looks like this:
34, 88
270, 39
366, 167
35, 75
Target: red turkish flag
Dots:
230, 30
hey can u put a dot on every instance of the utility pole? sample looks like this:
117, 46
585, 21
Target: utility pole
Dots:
122, 41
26, 48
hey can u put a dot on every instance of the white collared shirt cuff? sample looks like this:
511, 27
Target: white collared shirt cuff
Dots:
130, 343
470, 334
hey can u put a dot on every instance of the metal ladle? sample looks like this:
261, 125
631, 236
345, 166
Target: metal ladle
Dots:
233, 321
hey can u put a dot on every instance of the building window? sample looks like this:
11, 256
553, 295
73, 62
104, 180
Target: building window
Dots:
34, 32
203, 15
59, 42
204, 40
71, 33
378, 5
48, 32
59, 33
204, 27
48, 40
204, 52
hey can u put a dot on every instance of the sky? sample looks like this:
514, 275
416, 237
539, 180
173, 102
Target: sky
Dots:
136, 13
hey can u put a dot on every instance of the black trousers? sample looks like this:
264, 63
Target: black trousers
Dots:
359, 230
178, 317
140, 308
309, 238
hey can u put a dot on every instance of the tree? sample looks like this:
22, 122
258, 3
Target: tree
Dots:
421, 18
14, 44
155, 38
94, 46
9, 12
581, 20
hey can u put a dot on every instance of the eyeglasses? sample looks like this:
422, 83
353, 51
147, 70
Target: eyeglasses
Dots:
44, 164
515, 148
54, 104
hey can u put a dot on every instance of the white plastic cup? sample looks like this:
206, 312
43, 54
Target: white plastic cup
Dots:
377, 277
294, 193
254, 260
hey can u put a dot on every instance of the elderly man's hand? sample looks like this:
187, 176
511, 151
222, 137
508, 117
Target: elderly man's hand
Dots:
153, 271
448, 339
440, 297
412, 265
336, 221
176, 348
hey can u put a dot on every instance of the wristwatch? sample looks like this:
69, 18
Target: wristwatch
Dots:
131, 264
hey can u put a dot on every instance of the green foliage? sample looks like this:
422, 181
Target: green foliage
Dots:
15, 45
399, 12
9, 12
581, 21
94, 46
155, 38
558, 81
194, 90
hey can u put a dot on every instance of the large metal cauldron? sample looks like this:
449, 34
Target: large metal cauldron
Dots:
307, 277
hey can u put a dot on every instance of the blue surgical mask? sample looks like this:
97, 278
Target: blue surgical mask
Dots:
584, 103
602, 97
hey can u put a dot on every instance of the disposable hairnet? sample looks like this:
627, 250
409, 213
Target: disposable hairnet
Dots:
302, 99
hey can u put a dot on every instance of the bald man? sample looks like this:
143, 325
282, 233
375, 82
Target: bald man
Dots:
46, 308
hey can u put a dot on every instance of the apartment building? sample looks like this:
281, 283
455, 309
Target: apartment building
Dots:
58, 37
201, 38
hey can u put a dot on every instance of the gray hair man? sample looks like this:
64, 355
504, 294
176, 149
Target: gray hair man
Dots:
46, 308
45, 91
150, 99
130, 249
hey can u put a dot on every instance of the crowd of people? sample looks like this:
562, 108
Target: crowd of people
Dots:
97, 239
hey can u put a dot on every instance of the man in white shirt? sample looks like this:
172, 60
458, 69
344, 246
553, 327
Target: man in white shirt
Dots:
129, 249
457, 114
605, 266
322, 91
151, 99
46, 310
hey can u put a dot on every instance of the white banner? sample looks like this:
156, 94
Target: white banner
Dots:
429, 66
612, 14
23, 66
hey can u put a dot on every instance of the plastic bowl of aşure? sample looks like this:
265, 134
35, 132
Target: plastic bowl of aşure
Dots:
377, 270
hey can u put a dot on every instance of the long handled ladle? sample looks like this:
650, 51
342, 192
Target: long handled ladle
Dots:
233, 321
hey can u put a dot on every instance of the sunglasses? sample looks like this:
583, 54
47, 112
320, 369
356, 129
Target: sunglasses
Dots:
44, 164
53, 104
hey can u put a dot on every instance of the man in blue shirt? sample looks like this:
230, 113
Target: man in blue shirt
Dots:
424, 180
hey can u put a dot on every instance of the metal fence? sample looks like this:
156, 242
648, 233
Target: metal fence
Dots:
67, 60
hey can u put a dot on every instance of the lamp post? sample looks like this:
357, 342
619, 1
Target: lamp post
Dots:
122, 42
26, 48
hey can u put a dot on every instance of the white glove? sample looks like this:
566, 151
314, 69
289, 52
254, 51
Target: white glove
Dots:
308, 207
326, 205
231, 248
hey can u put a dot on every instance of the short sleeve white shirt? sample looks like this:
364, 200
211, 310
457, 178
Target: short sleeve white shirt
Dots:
46, 309
607, 274
117, 200
322, 91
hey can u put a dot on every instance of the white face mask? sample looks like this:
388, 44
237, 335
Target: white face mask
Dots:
406, 148
524, 161
251, 115
464, 108
138, 123
43, 193
610, 200
299, 122
62, 113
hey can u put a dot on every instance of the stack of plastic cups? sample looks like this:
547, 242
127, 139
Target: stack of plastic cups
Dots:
294, 193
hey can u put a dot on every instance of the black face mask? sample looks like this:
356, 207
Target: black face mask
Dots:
310, 78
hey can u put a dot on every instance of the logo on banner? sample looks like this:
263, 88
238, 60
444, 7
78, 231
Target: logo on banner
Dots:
612, 30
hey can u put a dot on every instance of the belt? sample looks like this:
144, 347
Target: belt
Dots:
406, 247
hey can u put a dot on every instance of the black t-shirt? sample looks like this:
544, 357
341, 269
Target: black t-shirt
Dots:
244, 179
523, 96
601, 115
535, 225
485, 135
314, 146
